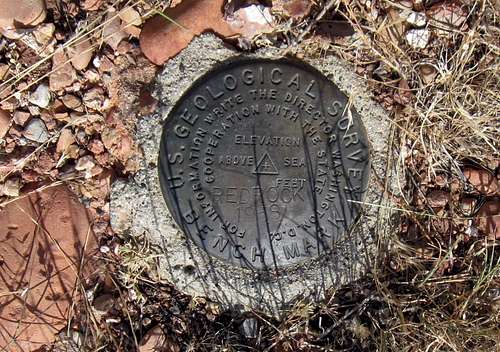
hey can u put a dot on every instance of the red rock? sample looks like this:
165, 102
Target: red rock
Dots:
482, 181
130, 17
4, 123
91, 5
98, 187
251, 21
21, 117
161, 39
488, 219
446, 17
133, 31
71, 102
438, 198
65, 140
112, 34
96, 146
293, 8
63, 74
156, 341
119, 143
88, 165
81, 53
40, 264
4, 71
21, 13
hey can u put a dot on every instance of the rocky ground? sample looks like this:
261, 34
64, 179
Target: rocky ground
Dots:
76, 75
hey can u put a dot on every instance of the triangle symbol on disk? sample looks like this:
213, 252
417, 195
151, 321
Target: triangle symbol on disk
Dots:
266, 166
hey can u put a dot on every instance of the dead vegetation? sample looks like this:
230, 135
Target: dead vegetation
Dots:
434, 67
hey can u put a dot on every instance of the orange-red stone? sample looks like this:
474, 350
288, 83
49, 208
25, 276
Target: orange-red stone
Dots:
45, 245
161, 39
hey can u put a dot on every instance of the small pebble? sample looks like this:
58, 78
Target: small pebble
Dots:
249, 328
416, 19
418, 38
36, 131
41, 96
21, 117
4, 123
438, 198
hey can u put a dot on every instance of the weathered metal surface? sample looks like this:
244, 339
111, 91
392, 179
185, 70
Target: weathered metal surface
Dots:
262, 164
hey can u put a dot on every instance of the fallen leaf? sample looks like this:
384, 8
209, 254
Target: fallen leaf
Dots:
10, 187
393, 28
403, 95
438, 198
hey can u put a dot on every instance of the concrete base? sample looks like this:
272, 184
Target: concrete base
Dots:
138, 207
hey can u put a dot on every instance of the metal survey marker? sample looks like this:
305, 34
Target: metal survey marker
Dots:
263, 163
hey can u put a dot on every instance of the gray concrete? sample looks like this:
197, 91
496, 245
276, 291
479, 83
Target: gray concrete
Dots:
137, 205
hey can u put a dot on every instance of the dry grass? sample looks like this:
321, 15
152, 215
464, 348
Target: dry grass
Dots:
441, 288
436, 290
